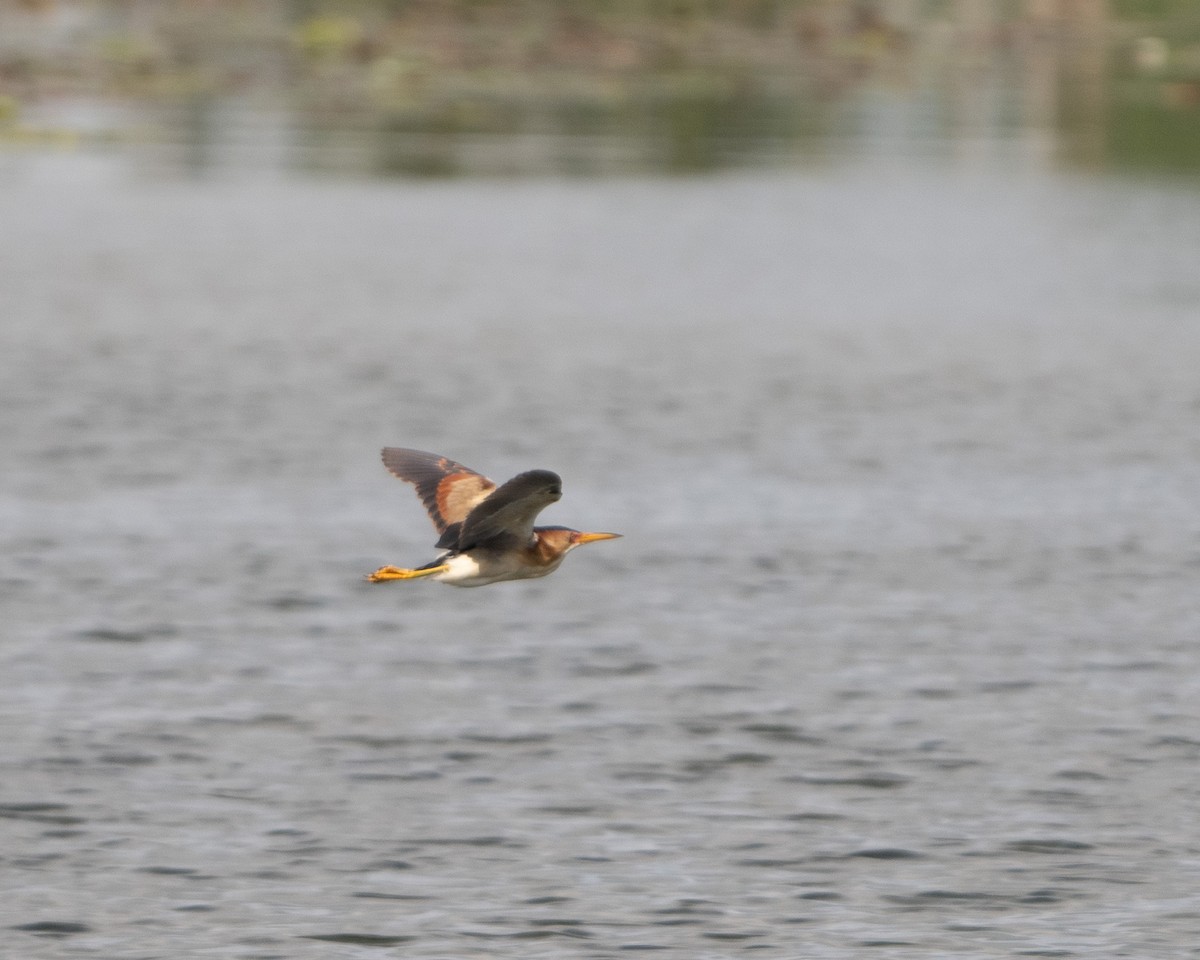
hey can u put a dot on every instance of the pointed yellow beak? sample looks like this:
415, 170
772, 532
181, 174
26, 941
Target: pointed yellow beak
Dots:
590, 537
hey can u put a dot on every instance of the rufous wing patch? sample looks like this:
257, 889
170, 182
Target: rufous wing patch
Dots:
458, 494
436, 479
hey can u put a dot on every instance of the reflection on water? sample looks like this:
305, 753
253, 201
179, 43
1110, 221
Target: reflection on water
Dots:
446, 89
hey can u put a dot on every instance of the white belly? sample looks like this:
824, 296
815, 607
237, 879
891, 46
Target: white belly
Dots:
466, 572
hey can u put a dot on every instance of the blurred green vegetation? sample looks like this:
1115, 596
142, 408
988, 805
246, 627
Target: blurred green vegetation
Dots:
690, 85
1155, 10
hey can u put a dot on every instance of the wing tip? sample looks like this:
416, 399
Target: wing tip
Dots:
402, 461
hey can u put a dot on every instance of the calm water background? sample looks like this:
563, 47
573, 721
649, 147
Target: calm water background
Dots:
897, 657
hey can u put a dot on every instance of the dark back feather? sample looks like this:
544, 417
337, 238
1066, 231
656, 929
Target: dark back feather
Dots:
509, 511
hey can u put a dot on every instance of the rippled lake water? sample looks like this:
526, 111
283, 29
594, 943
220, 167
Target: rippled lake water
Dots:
897, 657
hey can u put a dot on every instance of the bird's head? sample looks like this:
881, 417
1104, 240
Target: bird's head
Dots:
561, 539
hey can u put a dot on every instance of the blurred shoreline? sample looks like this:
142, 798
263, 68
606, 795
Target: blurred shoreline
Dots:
455, 88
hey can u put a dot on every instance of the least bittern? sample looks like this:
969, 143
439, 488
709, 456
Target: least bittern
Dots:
486, 531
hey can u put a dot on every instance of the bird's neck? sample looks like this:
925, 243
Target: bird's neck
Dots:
542, 551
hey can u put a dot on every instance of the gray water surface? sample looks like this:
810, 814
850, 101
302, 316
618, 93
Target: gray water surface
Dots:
897, 657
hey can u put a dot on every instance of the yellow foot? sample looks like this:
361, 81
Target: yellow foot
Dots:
398, 573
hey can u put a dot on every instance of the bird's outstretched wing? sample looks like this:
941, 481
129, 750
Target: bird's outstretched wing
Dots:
509, 511
449, 490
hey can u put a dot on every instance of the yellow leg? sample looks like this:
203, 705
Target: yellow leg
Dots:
398, 573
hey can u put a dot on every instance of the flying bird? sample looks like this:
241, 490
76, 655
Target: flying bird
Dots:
486, 531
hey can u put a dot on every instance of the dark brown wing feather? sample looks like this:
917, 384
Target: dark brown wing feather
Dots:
510, 510
448, 490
